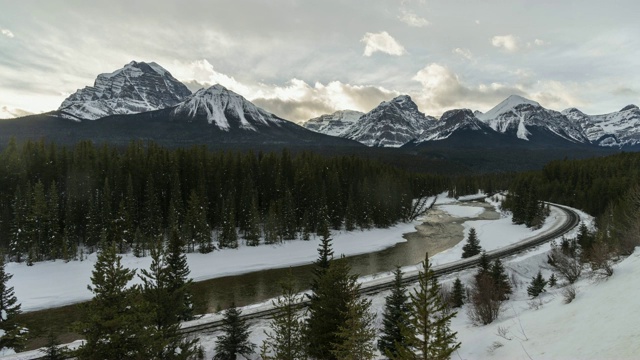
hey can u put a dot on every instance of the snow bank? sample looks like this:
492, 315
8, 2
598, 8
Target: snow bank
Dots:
462, 211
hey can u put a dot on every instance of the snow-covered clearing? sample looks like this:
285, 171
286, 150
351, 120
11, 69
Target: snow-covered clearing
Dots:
461, 211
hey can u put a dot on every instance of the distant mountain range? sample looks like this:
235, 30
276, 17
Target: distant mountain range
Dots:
143, 101
398, 123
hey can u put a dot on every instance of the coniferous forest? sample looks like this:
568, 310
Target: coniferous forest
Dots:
58, 201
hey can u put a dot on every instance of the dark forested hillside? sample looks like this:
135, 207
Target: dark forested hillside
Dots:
57, 198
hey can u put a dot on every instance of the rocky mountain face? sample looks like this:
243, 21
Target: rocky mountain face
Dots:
224, 109
522, 118
137, 87
333, 124
453, 121
617, 129
391, 124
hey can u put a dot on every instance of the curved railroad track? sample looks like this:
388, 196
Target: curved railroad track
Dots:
369, 288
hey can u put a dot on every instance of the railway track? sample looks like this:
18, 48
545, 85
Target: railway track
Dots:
382, 284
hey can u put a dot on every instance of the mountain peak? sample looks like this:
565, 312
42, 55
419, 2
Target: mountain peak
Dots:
137, 87
630, 107
225, 109
507, 105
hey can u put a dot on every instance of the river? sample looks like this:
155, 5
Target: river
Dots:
438, 232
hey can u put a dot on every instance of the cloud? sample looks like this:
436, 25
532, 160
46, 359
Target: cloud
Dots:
299, 101
509, 43
296, 100
412, 19
538, 42
465, 53
7, 33
382, 42
443, 90
10, 113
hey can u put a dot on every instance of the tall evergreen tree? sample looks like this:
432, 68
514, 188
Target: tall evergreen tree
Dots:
179, 282
501, 279
165, 309
395, 310
472, 247
327, 309
235, 340
285, 340
196, 228
116, 324
427, 328
356, 335
12, 334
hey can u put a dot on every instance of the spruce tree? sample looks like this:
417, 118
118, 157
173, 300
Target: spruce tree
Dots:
472, 247
501, 280
537, 285
165, 309
458, 295
179, 282
395, 310
327, 308
427, 327
12, 334
235, 339
553, 280
285, 339
53, 350
356, 335
117, 324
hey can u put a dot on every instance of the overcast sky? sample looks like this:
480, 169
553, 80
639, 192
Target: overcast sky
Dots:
300, 59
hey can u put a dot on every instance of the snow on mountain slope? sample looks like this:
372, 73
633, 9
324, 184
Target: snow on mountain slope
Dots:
137, 87
391, 124
520, 116
333, 124
224, 108
452, 121
617, 129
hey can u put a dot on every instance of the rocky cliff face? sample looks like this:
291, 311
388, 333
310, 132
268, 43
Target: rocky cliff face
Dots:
137, 87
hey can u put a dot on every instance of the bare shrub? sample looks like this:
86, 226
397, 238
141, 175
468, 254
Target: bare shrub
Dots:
503, 332
445, 297
514, 280
568, 266
600, 259
493, 347
535, 304
486, 301
569, 293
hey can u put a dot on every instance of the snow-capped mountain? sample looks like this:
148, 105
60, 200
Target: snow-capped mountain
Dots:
453, 121
526, 119
391, 124
137, 87
225, 109
333, 124
617, 129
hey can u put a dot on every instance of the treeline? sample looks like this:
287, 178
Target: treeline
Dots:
57, 199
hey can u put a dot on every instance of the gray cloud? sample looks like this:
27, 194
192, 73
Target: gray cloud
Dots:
299, 110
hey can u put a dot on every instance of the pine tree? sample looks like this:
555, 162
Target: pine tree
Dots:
116, 324
196, 228
53, 350
427, 328
501, 279
165, 308
235, 340
179, 282
285, 340
537, 285
356, 335
553, 280
472, 247
395, 310
458, 295
12, 334
327, 309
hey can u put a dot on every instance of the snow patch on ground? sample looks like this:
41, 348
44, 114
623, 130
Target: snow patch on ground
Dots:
462, 211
